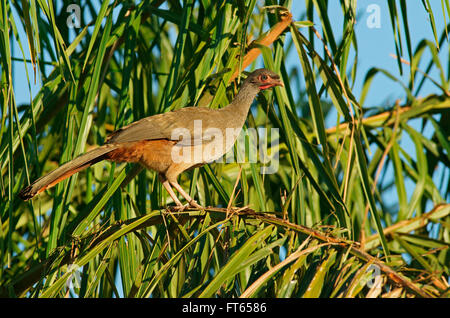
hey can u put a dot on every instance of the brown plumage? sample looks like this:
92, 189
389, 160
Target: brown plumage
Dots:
169, 143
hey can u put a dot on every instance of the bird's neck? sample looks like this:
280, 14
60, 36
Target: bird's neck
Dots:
243, 100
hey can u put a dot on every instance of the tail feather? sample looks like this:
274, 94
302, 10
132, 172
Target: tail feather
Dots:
64, 171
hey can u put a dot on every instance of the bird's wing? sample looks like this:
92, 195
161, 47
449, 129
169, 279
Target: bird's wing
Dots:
176, 125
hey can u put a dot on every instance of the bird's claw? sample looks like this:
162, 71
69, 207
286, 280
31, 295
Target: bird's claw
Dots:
195, 205
178, 208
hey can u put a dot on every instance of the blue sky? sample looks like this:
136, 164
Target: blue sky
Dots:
376, 45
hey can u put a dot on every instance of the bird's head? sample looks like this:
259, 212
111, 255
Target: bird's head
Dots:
263, 79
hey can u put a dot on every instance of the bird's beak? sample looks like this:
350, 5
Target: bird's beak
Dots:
272, 83
277, 82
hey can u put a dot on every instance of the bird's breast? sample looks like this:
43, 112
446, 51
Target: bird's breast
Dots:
206, 147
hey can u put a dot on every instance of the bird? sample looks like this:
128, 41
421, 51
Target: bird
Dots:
170, 143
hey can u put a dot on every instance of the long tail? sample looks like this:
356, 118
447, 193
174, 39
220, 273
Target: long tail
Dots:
66, 170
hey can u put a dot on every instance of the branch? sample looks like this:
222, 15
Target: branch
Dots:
35, 272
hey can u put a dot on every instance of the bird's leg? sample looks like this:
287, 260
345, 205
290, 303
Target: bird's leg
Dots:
169, 189
188, 198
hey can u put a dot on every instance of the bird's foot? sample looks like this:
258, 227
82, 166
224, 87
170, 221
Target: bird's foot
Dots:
194, 204
178, 208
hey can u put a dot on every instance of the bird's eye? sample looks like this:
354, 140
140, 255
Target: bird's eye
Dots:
264, 78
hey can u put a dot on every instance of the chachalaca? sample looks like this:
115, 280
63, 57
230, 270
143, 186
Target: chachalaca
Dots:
170, 143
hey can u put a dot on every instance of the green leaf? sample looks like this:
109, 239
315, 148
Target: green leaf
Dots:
233, 265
